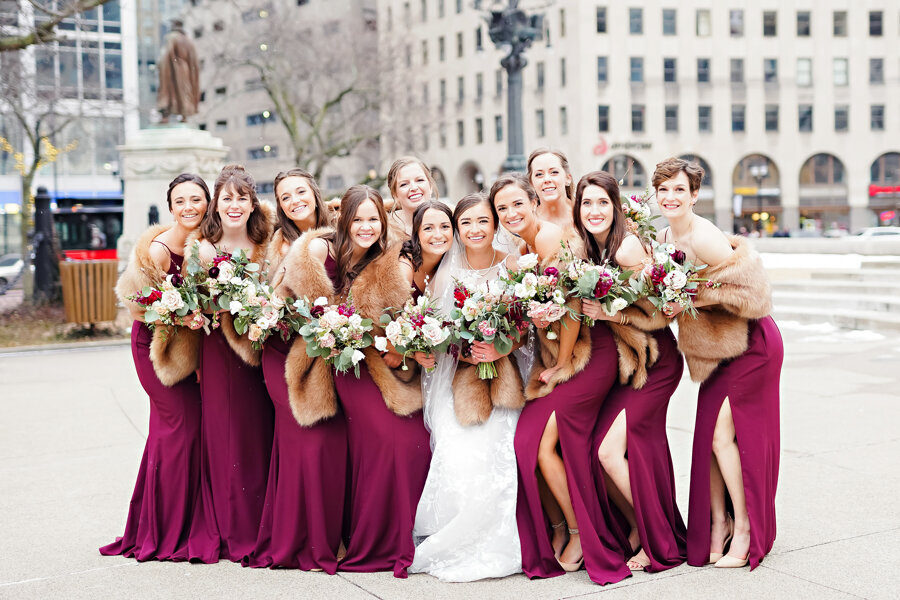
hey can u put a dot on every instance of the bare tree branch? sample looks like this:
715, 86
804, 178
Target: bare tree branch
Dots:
45, 30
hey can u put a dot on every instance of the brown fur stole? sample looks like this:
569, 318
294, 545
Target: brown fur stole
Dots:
475, 398
720, 330
174, 351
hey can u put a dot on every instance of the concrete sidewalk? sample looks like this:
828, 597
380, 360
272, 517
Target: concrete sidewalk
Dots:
74, 422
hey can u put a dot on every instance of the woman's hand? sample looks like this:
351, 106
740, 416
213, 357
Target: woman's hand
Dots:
485, 352
546, 374
425, 360
671, 309
393, 359
593, 309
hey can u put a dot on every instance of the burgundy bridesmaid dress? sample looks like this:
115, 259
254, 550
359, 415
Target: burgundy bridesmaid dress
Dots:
389, 459
167, 492
576, 403
237, 429
303, 513
750, 382
659, 523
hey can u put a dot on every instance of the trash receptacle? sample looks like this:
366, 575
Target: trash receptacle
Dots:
88, 290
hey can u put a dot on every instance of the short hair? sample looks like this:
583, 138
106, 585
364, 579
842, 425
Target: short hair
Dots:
671, 167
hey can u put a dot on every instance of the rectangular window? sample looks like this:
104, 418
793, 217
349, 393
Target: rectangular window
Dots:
262, 152
479, 131
260, 118
459, 6
671, 117
498, 83
737, 117
771, 117
668, 21
460, 89
408, 53
424, 10
443, 94
803, 23
702, 70
770, 23
876, 20
498, 128
562, 72
562, 22
460, 133
479, 86
704, 23
442, 49
840, 23
636, 21
877, 119
770, 70
736, 22
563, 121
539, 68
440, 9
670, 71
876, 70
425, 98
841, 118
425, 52
539, 122
637, 118
841, 72
442, 135
601, 19
603, 118
805, 118
479, 40
221, 125
459, 45
637, 70
737, 70
704, 119
602, 70
804, 72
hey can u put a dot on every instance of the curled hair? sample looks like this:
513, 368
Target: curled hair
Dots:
243, 183
671, 167
412, 248
187, 178
467, 202
394, 175
617, 230
352, 199
570, 187
288, 228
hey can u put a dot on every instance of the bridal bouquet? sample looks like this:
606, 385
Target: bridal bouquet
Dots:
262, 313
671, 277
336, 333
417, 327
613, 287
639, 216
176, 302
487, 313
538, 293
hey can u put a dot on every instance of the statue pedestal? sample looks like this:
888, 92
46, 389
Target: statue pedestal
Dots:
153, 158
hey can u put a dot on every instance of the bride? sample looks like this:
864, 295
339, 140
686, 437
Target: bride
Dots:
466, 519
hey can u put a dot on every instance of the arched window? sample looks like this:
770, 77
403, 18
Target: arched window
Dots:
626, 169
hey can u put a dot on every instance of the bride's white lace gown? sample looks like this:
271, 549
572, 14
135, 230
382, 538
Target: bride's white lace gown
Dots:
466, 519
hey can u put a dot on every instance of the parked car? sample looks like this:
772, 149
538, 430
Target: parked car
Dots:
879, 232
10, 267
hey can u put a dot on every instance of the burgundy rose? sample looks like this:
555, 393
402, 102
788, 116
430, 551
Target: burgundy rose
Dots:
177, 280
214, 272
551, 271
678, 256
604, 284
317, 311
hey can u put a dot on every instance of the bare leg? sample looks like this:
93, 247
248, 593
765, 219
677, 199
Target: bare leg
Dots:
555, 514
728, 457
554, 472
721, 528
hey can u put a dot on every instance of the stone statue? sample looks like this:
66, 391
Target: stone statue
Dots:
179, 76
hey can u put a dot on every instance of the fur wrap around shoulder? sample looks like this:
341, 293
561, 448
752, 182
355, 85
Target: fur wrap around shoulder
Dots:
720, 330
474, 398
174, 351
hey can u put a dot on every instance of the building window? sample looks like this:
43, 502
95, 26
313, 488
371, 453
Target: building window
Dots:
804, 72
805, 118
221, 125
498, 83
562, 22
539, 68
840, 23
737, 70
841, 72
262, 152
562, 72
702, 70
460, 133
424, 9
459, 45
479, 131
704, 23
670, 71
408, 53
671, 117
479, 40
425, 52
704, 119
442, 135
601, 19
770, 70
876, 19
539, 122
260, 118
602, 70
637, 118
841, 118
770, 23
668, 21
440, 9
479, 86
425, 94
803, 23
736, 22
737, 117
877, 119
771, 117
459, 6
603, 118
443, 92
442, 49
498, 128
876, 70
460, 89
636, 21
637, 70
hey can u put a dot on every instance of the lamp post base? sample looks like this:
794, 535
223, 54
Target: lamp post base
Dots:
514, 162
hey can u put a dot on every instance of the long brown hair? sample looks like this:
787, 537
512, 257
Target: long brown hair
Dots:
570, 187
352, 199
288, 228
243, 183
617, 231
412, 248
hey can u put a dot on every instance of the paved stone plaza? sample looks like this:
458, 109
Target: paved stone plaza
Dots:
73, 428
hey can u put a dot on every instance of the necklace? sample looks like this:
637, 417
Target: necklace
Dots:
480, 272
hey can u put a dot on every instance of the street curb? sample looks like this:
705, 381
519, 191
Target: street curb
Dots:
95, 345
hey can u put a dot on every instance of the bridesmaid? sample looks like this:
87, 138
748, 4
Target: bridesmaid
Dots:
237, 419
167, 490
421, 254
630, 437
734, 349
410, 183
549, 174
389, 446
568, 384
303, 511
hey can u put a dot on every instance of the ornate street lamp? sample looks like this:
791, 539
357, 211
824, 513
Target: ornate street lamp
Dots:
513, 30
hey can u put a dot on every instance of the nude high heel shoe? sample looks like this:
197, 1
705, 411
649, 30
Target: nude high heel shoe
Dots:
732, 562
715, 557
557, 552
572, 567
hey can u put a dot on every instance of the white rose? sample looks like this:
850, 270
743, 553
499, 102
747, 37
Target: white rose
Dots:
528, 261
530, 280
277, 302
355, 320
226, 272
676, 280
254, 332
160, 308
321, 301
235, 280
235, 307
435, 335
171, 299
618, 304
520, 290
392, 331
357, 356
380, 343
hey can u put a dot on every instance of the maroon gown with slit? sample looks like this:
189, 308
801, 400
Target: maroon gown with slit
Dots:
389, 459
576, 403
167, 491
659, 523
751, 383
236, 442
303, 513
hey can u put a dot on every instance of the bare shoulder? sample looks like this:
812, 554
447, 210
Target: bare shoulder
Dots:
631, 252
548, 238
159, 254
710, 244
318, 249
207, 251
511, 262
661, 235
406, 267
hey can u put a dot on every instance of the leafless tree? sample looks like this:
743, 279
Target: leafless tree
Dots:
14, 35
